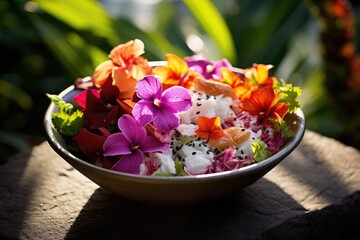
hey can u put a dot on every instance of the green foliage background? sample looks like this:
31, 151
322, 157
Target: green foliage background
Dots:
45, 45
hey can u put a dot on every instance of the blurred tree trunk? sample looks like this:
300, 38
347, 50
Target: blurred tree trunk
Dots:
341, 64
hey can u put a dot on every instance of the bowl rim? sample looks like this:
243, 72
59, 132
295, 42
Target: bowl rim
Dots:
284, 151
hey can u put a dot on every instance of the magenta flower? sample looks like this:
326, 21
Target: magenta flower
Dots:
131, 143
207, 68
162, 108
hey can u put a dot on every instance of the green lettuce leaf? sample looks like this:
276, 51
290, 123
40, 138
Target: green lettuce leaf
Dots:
290, 94
179, 168
283, 128
68, 124
259, 151
67, 121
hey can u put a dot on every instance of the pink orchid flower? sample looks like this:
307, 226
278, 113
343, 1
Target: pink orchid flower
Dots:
131, 143
162, 108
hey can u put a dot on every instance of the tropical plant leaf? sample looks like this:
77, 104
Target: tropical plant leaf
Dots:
15, 94
156, 44
82, 15
214, 24
78, 57
89, 16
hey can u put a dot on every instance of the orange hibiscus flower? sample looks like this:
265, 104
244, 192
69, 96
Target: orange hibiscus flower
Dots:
264, 102
237, 84
259, 75
176, 73
126, 67
209, 128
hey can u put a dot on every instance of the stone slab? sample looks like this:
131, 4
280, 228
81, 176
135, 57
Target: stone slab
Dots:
314, 189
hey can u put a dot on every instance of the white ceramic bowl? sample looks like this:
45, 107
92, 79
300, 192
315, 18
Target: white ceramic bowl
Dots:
172, 190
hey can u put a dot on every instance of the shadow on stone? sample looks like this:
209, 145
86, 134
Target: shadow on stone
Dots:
245, 214
16, 183
320, 164
337, 221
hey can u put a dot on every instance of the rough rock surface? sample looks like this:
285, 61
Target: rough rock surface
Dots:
313, 194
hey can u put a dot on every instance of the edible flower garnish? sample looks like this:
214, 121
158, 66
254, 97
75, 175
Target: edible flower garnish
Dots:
264, 102
131, 144
125, 67
209, 128
97, 113
176, 73
188, 116
162, 108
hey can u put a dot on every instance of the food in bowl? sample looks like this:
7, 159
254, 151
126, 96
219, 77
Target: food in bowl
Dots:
184, 117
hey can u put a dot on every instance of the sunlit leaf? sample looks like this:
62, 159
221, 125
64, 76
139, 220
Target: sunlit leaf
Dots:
82, 15
156, 45
214, 24
90, 16
78, 57
16, 94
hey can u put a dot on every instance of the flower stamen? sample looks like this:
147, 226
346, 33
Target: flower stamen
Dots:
157, 102
134, 147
